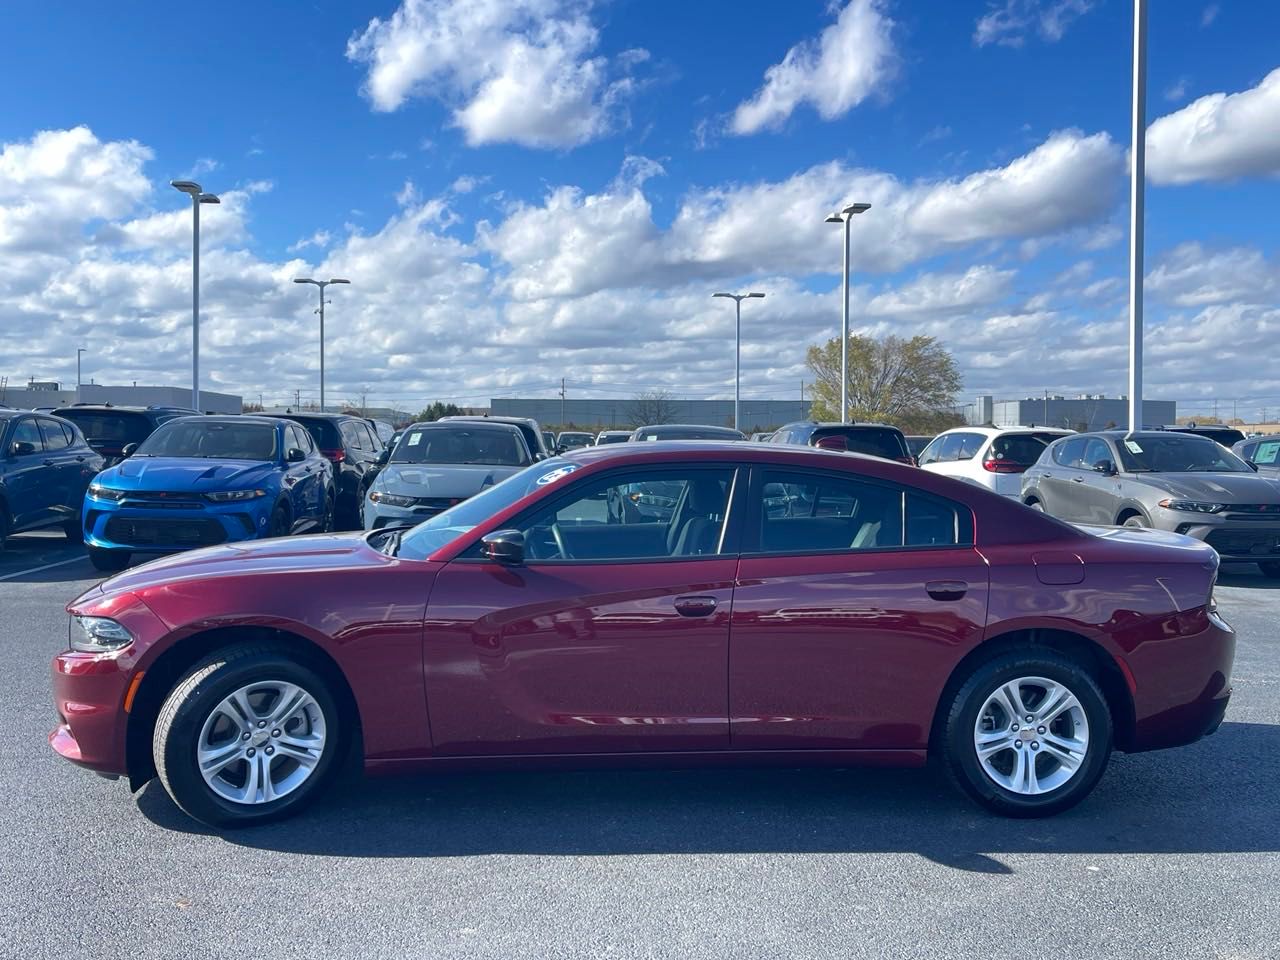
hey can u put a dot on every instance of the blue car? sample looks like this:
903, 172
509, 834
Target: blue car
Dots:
199, 481
45, 466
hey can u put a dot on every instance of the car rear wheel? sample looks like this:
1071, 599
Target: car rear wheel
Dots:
108, 561
1270, 568
249, 734
1028, 734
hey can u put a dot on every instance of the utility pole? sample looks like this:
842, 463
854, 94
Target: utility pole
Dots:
562, 403
297, 399
1137, 194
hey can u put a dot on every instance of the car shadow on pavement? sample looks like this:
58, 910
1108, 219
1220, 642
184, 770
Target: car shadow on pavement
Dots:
1245, 575
1216, 796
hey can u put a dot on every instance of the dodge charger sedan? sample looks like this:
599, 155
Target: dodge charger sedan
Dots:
792, 606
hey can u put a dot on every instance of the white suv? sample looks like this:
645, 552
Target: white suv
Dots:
991, 457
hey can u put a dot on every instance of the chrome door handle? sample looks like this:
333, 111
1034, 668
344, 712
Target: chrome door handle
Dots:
946, 589
695, 606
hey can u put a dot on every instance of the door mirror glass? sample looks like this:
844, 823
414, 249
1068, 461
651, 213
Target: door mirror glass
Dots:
128, 450
504, 546
1105, 467
22, 448
295, 455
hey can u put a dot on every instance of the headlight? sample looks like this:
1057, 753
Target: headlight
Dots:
233, 496
105, 493
392, 499
98, 635
1193, 506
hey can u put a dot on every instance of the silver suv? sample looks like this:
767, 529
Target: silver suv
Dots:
1172, 481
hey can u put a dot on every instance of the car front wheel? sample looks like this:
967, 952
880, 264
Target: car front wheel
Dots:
1028, 734
250, 734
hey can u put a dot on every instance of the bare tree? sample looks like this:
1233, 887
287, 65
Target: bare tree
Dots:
651, 408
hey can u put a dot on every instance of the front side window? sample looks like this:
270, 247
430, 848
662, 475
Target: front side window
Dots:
640, 515
1095, 451
27, 432
825, 514
1267, 453
211, 439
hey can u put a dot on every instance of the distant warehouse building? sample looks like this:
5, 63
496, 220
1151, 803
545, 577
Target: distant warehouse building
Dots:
621, 414
1084, 412
52, 394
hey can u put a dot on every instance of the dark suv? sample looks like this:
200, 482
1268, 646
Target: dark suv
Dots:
45, 468
1218, 432
874, 439
109, 429
352, 446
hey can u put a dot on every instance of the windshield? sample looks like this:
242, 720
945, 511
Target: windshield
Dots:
873, 441
480, 445
115, 429
1177, 454
211, 439
430, 535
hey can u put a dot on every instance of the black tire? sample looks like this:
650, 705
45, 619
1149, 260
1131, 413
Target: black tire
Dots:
1270, 568
73, 530
190, 703
329, 523
108, 561
280, 523
1136, 521
1036, 505
957, 733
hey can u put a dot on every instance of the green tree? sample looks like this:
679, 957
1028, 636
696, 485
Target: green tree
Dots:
436, 410
910, 383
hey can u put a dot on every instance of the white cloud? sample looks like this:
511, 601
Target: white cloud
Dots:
1192, 276
1008, 23
575, 243
320, 239
1209, 14
852, 59
1218, 137
202, 166
513, 71
1177, 90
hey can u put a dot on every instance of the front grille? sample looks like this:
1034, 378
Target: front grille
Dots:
1240, 543
165, 499
436, 503
164, 531
1253, 511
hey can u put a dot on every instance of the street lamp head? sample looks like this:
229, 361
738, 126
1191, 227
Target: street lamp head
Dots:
208, 198
303, 280
857, 208
336, 280
756, 295
186, 186
729, 295
835, 218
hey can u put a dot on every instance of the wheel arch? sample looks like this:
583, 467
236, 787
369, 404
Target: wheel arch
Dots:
1129, 508
164, 672
1104, 667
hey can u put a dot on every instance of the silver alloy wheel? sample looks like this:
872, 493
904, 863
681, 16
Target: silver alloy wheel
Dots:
1031, 735
261, 743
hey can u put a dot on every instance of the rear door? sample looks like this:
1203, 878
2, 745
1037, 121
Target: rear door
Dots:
303, 479
855, 599
612, 637
1059, 488
64, 469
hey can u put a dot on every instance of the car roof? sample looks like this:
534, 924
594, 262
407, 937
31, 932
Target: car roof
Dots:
998, 431
684, 426
437, 424
234, 418
658, 450
480, 416
312, 416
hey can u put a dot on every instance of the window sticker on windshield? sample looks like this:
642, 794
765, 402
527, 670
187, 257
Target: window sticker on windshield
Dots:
651, 437
556, 474
414, 439
1132, 446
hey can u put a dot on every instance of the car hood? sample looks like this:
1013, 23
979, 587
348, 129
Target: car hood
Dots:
441, 480
281, 555
182, 473
1214, 487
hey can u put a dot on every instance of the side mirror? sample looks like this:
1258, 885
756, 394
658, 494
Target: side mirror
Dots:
561, 447
295, 455
504, 546
1253, 466
1105, 467
383, 457
22, 448
129, 450
833, 443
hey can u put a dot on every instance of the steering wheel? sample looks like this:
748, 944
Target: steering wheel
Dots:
559, 538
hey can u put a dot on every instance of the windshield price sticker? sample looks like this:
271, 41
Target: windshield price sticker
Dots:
414, 439
1132, 446
556, 474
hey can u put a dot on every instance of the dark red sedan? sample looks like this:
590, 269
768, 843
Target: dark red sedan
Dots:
660, 603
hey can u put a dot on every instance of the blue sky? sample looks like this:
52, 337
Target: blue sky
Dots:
529, 189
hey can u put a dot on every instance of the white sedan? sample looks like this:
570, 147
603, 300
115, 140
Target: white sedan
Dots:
991, 457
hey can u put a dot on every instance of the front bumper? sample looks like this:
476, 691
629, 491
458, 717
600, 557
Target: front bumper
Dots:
379, 515
183, 525
1236, 540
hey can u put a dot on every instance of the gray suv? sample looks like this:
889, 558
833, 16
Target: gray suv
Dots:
1172, 481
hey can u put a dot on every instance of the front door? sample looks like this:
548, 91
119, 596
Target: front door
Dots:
611, 637
855, 599
30, 482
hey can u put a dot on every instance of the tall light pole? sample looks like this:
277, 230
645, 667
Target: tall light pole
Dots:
845, 216
737, 299
79, 350
321, 284
1137, 186
198, 196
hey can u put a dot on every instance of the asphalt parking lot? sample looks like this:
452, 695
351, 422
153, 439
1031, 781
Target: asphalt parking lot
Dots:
1177, 854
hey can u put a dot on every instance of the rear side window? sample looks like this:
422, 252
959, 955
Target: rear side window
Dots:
934, 522
54, 437
353, 435
874, 441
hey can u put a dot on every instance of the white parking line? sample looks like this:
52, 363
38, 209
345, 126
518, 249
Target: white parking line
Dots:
47, 566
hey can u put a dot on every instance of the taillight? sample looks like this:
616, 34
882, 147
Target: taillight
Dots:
337, 456
1004, 466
